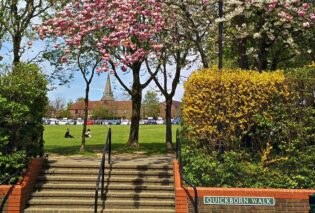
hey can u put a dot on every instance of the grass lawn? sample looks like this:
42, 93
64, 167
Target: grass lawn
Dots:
152, 139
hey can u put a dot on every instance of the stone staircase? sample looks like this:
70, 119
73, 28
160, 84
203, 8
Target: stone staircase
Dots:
134, 187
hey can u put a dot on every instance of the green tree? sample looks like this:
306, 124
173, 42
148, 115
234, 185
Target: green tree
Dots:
102, 112
151, 105
16, 18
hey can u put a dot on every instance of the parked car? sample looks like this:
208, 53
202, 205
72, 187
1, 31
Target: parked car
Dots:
62, 122
125, 122
142, 122
78, 122
160, 121
52, 121
176, 121
90, 122
106, 122
71, 122
115, 122
151, 121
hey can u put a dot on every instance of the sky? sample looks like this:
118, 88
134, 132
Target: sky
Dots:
76, 88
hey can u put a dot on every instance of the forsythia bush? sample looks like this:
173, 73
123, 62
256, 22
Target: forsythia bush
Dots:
222, 106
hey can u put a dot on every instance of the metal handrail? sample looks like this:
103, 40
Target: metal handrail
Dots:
101, 173
182, 177
8, 192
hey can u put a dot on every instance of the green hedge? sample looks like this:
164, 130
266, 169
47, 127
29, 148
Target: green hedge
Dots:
277, 151
22, 106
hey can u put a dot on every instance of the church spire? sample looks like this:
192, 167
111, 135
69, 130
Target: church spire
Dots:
108, 93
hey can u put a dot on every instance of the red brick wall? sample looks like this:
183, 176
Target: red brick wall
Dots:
287, 200
19, 194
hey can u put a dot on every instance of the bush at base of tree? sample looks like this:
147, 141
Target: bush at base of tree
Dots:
22, 107
276, 151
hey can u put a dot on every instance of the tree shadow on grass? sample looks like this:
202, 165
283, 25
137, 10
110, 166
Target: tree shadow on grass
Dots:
92, 149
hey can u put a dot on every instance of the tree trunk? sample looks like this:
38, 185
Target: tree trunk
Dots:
202, 55
86, 113
242, 56
168, 117
262, 63
136, 97
135, 118
16, 48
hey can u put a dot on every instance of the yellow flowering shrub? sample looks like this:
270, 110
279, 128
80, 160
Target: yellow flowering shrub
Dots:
220, 106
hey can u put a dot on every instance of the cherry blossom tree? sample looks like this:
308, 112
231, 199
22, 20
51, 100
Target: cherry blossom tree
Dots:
124, 34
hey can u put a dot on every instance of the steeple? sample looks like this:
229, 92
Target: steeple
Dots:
108, 93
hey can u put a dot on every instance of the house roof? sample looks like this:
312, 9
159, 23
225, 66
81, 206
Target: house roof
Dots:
117, 105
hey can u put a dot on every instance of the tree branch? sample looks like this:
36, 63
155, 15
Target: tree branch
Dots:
119, 79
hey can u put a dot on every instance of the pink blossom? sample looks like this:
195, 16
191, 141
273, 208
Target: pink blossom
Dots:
301, 12
29, 43
124, 68
305, 5
272, 6
116, 20
63, 59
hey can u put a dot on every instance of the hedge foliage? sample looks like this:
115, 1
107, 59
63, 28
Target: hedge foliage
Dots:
220, 106
276, 147
22, 106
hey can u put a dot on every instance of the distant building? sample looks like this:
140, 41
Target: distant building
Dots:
120, 109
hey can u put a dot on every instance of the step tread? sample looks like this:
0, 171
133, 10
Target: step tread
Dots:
113, 172
114, 165
114, 179
68, 210
54, 193
110, 186
72, 201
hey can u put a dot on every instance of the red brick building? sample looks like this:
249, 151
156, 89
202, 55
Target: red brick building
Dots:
120, 109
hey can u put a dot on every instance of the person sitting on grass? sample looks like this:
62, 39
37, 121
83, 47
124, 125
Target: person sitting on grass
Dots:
67, 134
88, 133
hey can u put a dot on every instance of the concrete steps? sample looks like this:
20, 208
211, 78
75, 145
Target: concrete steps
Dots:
128, 188
88, 210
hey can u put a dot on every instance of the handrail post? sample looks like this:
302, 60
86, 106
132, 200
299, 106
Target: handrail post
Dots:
110, 146
101, 173
196, 200
102, 189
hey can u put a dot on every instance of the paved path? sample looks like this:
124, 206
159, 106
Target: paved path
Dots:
117, 158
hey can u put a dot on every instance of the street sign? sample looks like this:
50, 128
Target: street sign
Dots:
239, 201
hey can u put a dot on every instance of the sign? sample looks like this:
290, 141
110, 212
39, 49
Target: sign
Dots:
239, 201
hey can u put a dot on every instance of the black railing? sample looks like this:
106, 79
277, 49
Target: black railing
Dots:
5, 181
182, 177
101, 173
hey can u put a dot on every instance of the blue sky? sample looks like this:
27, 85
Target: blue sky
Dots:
76, 87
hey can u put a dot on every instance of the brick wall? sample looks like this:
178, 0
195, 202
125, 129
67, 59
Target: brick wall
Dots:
3, 192
19, 193
287, 200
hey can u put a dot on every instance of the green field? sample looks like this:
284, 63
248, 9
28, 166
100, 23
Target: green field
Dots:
152, 139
